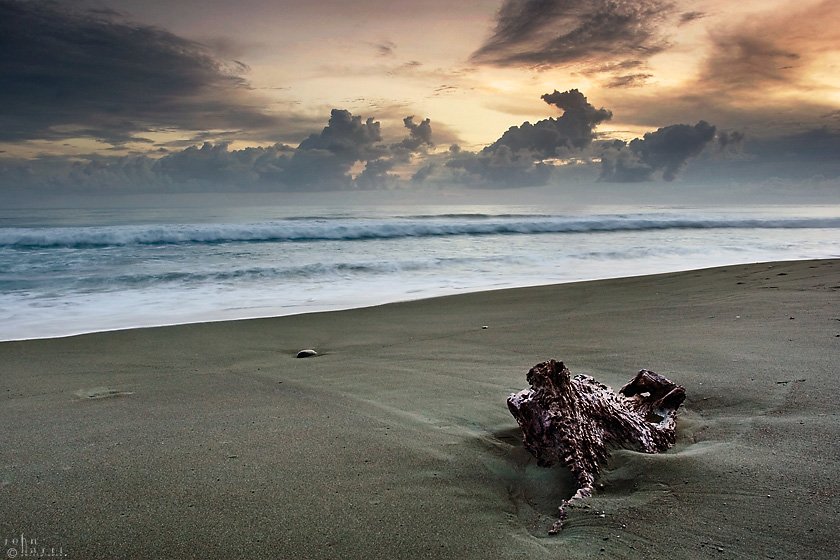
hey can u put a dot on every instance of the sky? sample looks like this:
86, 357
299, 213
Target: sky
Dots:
116, 96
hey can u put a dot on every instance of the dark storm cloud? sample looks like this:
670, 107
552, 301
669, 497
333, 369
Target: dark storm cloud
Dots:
664, 152
541, 33
69, 73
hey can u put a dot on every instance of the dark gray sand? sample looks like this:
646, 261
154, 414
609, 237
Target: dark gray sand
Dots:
394, 441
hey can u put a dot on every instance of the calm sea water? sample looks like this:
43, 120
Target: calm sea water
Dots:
65, 271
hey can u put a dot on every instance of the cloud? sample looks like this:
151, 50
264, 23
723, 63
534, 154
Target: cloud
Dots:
351, 152
540, 33
209, 168
737, 158
770, 74
386, 48
547, 138
419, 134
516, 159
781, 49
687, 17
728, 143
326, 160
744, 60
500, 168
375, 175
664, 152
69, 73
813, 147
628, 80
419, 138
423, 173
347, 136
212, 166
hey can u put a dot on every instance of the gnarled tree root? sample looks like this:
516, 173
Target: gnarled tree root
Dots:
573, 420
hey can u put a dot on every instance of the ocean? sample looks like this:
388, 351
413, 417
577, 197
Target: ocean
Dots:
66, 271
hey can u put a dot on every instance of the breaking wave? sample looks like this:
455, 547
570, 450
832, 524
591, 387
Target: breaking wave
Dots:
323, 229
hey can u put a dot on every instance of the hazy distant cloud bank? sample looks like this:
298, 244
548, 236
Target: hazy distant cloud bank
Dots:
323, 161
664, 152
350, 153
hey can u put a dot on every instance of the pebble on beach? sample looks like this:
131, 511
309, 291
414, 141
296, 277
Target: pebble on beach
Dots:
307, 353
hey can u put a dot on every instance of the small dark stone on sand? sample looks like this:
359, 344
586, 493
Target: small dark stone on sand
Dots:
307, 353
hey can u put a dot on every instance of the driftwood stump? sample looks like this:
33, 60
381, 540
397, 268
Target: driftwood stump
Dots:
574, 420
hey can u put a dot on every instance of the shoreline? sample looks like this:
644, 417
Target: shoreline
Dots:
213, 440
231, 316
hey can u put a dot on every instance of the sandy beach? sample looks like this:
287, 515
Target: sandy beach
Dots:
214, 441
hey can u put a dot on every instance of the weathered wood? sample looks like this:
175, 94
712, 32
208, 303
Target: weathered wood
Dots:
574, 420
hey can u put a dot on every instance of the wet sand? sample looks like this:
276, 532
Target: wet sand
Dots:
214, 441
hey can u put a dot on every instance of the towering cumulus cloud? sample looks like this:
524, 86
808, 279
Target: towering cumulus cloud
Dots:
419, 139
515, 159
574, 129
324, 159
419, 134
664, 152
